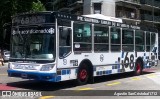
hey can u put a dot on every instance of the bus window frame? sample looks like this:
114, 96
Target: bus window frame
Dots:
65, 55
33, 26
126, 45
120, 42
104, 26
140, 31
78, 43
149, 41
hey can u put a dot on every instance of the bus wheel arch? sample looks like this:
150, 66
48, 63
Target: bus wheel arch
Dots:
138, 66
85, 72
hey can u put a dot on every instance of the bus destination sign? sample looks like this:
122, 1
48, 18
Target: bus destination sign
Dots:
29, 19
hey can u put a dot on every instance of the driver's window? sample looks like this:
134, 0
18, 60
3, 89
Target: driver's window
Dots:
64, 41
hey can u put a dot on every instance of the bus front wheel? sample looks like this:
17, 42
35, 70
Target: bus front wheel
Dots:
83, 74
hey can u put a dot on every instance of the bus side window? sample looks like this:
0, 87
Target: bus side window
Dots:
115, 39
139, 40
82, 36
101, 38
127, 40
153, 39
148, 43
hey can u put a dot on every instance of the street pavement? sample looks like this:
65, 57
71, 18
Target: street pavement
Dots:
102, 88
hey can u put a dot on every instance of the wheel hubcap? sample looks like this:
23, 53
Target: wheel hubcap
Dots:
138, 68
83, 74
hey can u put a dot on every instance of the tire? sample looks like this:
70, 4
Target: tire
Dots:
138, 68
83, 74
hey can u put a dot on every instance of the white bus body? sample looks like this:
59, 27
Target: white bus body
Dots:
78, 47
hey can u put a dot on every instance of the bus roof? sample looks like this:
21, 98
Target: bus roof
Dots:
103, 17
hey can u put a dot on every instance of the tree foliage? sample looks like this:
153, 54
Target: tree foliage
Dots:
9, 8
38, 6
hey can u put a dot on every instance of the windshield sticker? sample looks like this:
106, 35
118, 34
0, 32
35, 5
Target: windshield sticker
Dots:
33, 31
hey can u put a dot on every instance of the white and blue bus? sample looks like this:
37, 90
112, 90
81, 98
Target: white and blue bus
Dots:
54, 46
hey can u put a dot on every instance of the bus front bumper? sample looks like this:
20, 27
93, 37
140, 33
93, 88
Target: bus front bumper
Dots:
34, 75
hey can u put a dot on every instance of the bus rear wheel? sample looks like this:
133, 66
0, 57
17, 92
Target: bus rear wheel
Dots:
138, 68
83, 74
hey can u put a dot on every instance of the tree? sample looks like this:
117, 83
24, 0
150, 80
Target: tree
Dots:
38, 6
9, 8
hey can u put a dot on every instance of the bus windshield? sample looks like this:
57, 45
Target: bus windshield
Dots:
33, 43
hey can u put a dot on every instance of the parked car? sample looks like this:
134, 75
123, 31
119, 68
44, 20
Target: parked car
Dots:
6, 56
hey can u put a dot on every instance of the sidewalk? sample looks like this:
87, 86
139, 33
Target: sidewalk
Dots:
5, 64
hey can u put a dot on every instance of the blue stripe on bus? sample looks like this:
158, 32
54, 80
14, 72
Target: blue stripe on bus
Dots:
113, 67
63, 72
119, 70
104, 72
119, 66
58, 78
122, 55
147, 66
33, 75
100, 72
68, 71
108, 72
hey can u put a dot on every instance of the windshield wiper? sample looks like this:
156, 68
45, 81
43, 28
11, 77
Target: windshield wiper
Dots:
20, 35
24, 42
22, 39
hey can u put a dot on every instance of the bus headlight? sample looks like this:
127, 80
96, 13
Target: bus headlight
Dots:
10, 65
47, 67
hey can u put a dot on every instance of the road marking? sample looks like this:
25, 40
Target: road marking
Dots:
82, 89
5, 87
3, 74
151, 76
46, 97
136, 78
114, 83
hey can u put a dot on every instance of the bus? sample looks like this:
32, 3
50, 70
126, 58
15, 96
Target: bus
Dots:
55, 46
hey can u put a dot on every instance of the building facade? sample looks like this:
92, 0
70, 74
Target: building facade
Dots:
137, 12
68, 6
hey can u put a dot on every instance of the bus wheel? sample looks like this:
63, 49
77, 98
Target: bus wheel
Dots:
138, 68
83, 74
